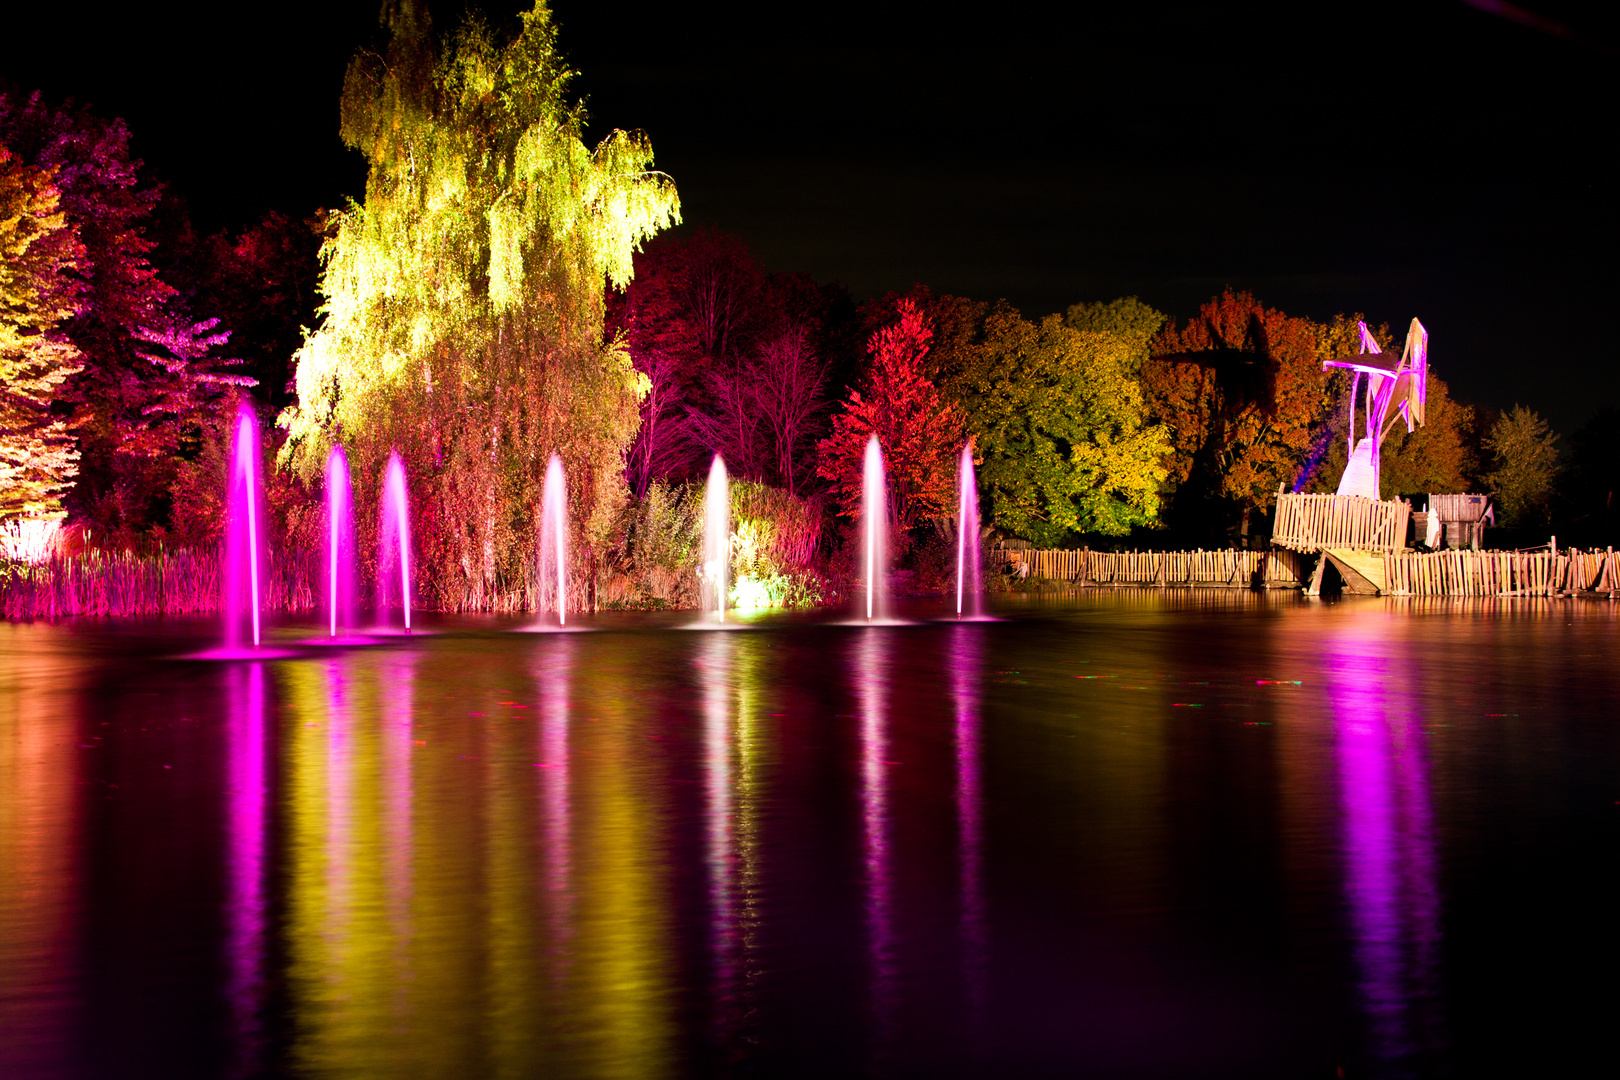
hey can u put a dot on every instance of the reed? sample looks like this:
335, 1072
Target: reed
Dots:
183, 582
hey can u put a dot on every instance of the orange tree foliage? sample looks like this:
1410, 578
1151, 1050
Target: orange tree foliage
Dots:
1242, 393
920, 431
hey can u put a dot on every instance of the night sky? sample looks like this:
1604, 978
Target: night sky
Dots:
1420, 158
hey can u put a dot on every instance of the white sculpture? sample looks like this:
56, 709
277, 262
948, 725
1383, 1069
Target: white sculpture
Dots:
1391, 379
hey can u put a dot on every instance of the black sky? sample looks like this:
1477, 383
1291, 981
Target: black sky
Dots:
1419, 158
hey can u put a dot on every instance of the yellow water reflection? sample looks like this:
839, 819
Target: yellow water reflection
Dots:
622, 979
38, 855
439, 856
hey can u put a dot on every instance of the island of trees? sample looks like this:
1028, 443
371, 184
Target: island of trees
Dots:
504, 291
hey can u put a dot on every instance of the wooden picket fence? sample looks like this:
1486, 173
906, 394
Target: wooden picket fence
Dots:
1313, 522
1211, 569
1501, 573
1408, 573
121, 583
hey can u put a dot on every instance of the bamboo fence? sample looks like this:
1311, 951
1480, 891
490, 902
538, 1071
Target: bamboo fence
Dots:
1500, 573
1314, 522
1408, 573
120, 583
1218, 569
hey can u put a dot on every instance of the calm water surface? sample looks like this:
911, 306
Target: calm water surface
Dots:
1130, 835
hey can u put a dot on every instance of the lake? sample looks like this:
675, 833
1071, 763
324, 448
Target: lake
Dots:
1128, 834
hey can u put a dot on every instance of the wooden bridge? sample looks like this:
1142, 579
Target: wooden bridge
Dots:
1311, 523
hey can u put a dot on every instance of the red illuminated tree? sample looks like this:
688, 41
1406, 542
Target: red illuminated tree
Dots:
919, 431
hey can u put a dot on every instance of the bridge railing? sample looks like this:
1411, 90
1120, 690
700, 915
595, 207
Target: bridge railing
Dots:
1313, 522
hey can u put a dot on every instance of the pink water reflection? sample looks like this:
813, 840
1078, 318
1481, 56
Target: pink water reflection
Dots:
1389, 843
246, 799
966, 664
871, 672
397, 713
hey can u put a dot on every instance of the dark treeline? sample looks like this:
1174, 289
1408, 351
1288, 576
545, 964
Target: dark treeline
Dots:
129, 336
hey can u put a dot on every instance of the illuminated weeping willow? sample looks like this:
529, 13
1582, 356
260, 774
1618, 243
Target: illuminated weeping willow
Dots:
464, 298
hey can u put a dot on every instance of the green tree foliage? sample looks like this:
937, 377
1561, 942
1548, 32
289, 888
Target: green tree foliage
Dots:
39, 249
464, 299
1524, 458
1058, 420
919, 430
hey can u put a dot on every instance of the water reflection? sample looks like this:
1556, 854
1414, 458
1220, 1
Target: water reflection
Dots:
1388, 836
350, 848
1189, 843
871, 672
247, 796
966, 662
554, 672
620, 1001
720, 854
398, 710
40, 870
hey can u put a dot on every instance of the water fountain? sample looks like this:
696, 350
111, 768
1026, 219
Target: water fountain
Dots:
967, 538
554, 542
394, 540
716, 541
339, 543
873, 510
244, 539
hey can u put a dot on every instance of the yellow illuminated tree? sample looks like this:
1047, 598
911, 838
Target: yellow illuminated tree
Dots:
38, 250
1059, 421
464, 298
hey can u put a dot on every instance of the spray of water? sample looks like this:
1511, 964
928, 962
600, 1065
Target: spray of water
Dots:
339, 542
967, 538
244, 545
874, 511
554, 539
716, 540
394, 539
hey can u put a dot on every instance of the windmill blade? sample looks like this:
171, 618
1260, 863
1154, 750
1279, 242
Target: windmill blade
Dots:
1415, 361
1369, 344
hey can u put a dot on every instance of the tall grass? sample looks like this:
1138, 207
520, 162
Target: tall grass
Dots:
651, 562
180, 582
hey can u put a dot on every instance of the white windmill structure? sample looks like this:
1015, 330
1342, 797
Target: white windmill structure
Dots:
1394, 380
